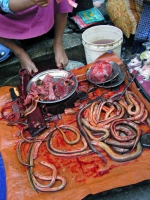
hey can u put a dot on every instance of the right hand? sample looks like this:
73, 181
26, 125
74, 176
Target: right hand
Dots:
42, 3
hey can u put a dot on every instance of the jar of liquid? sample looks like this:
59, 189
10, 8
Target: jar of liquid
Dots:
97, 3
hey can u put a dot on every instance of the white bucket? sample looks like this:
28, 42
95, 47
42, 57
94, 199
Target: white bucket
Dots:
101, 32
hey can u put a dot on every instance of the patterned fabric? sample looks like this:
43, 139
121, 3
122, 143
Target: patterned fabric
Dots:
140, 2
4, 5
143, 29
125, 14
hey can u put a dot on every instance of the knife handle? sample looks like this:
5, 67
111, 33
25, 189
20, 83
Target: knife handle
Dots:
13, 94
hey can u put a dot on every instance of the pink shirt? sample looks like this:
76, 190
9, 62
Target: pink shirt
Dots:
32, 22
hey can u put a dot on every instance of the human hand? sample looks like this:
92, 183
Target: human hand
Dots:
18, 6
42, 3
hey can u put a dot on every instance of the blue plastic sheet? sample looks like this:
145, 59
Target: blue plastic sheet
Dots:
2, 180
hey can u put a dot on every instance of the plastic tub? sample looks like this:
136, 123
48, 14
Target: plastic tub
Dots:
112, 35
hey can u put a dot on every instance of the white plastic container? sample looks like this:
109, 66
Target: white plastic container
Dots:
98, 33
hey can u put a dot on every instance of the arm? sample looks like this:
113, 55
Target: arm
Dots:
17, 6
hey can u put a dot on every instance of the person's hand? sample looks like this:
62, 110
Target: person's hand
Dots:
21, 5
42, 3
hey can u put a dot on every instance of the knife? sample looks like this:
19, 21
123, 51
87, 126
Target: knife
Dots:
15, 107
97, 98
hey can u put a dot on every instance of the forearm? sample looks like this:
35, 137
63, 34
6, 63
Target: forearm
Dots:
20, 5
17, 6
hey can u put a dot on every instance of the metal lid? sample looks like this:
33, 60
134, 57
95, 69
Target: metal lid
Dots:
145, 140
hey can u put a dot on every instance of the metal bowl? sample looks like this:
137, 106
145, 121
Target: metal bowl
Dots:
114, 74
57, 75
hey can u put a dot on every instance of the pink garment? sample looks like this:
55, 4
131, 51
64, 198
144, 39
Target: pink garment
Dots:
71, 2
33, 22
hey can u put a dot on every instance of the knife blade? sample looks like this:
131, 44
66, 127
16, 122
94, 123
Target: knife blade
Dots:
15, 107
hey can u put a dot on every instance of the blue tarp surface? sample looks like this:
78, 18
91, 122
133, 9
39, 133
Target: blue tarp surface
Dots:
2, 180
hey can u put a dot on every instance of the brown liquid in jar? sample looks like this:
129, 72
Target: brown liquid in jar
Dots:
103, 41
